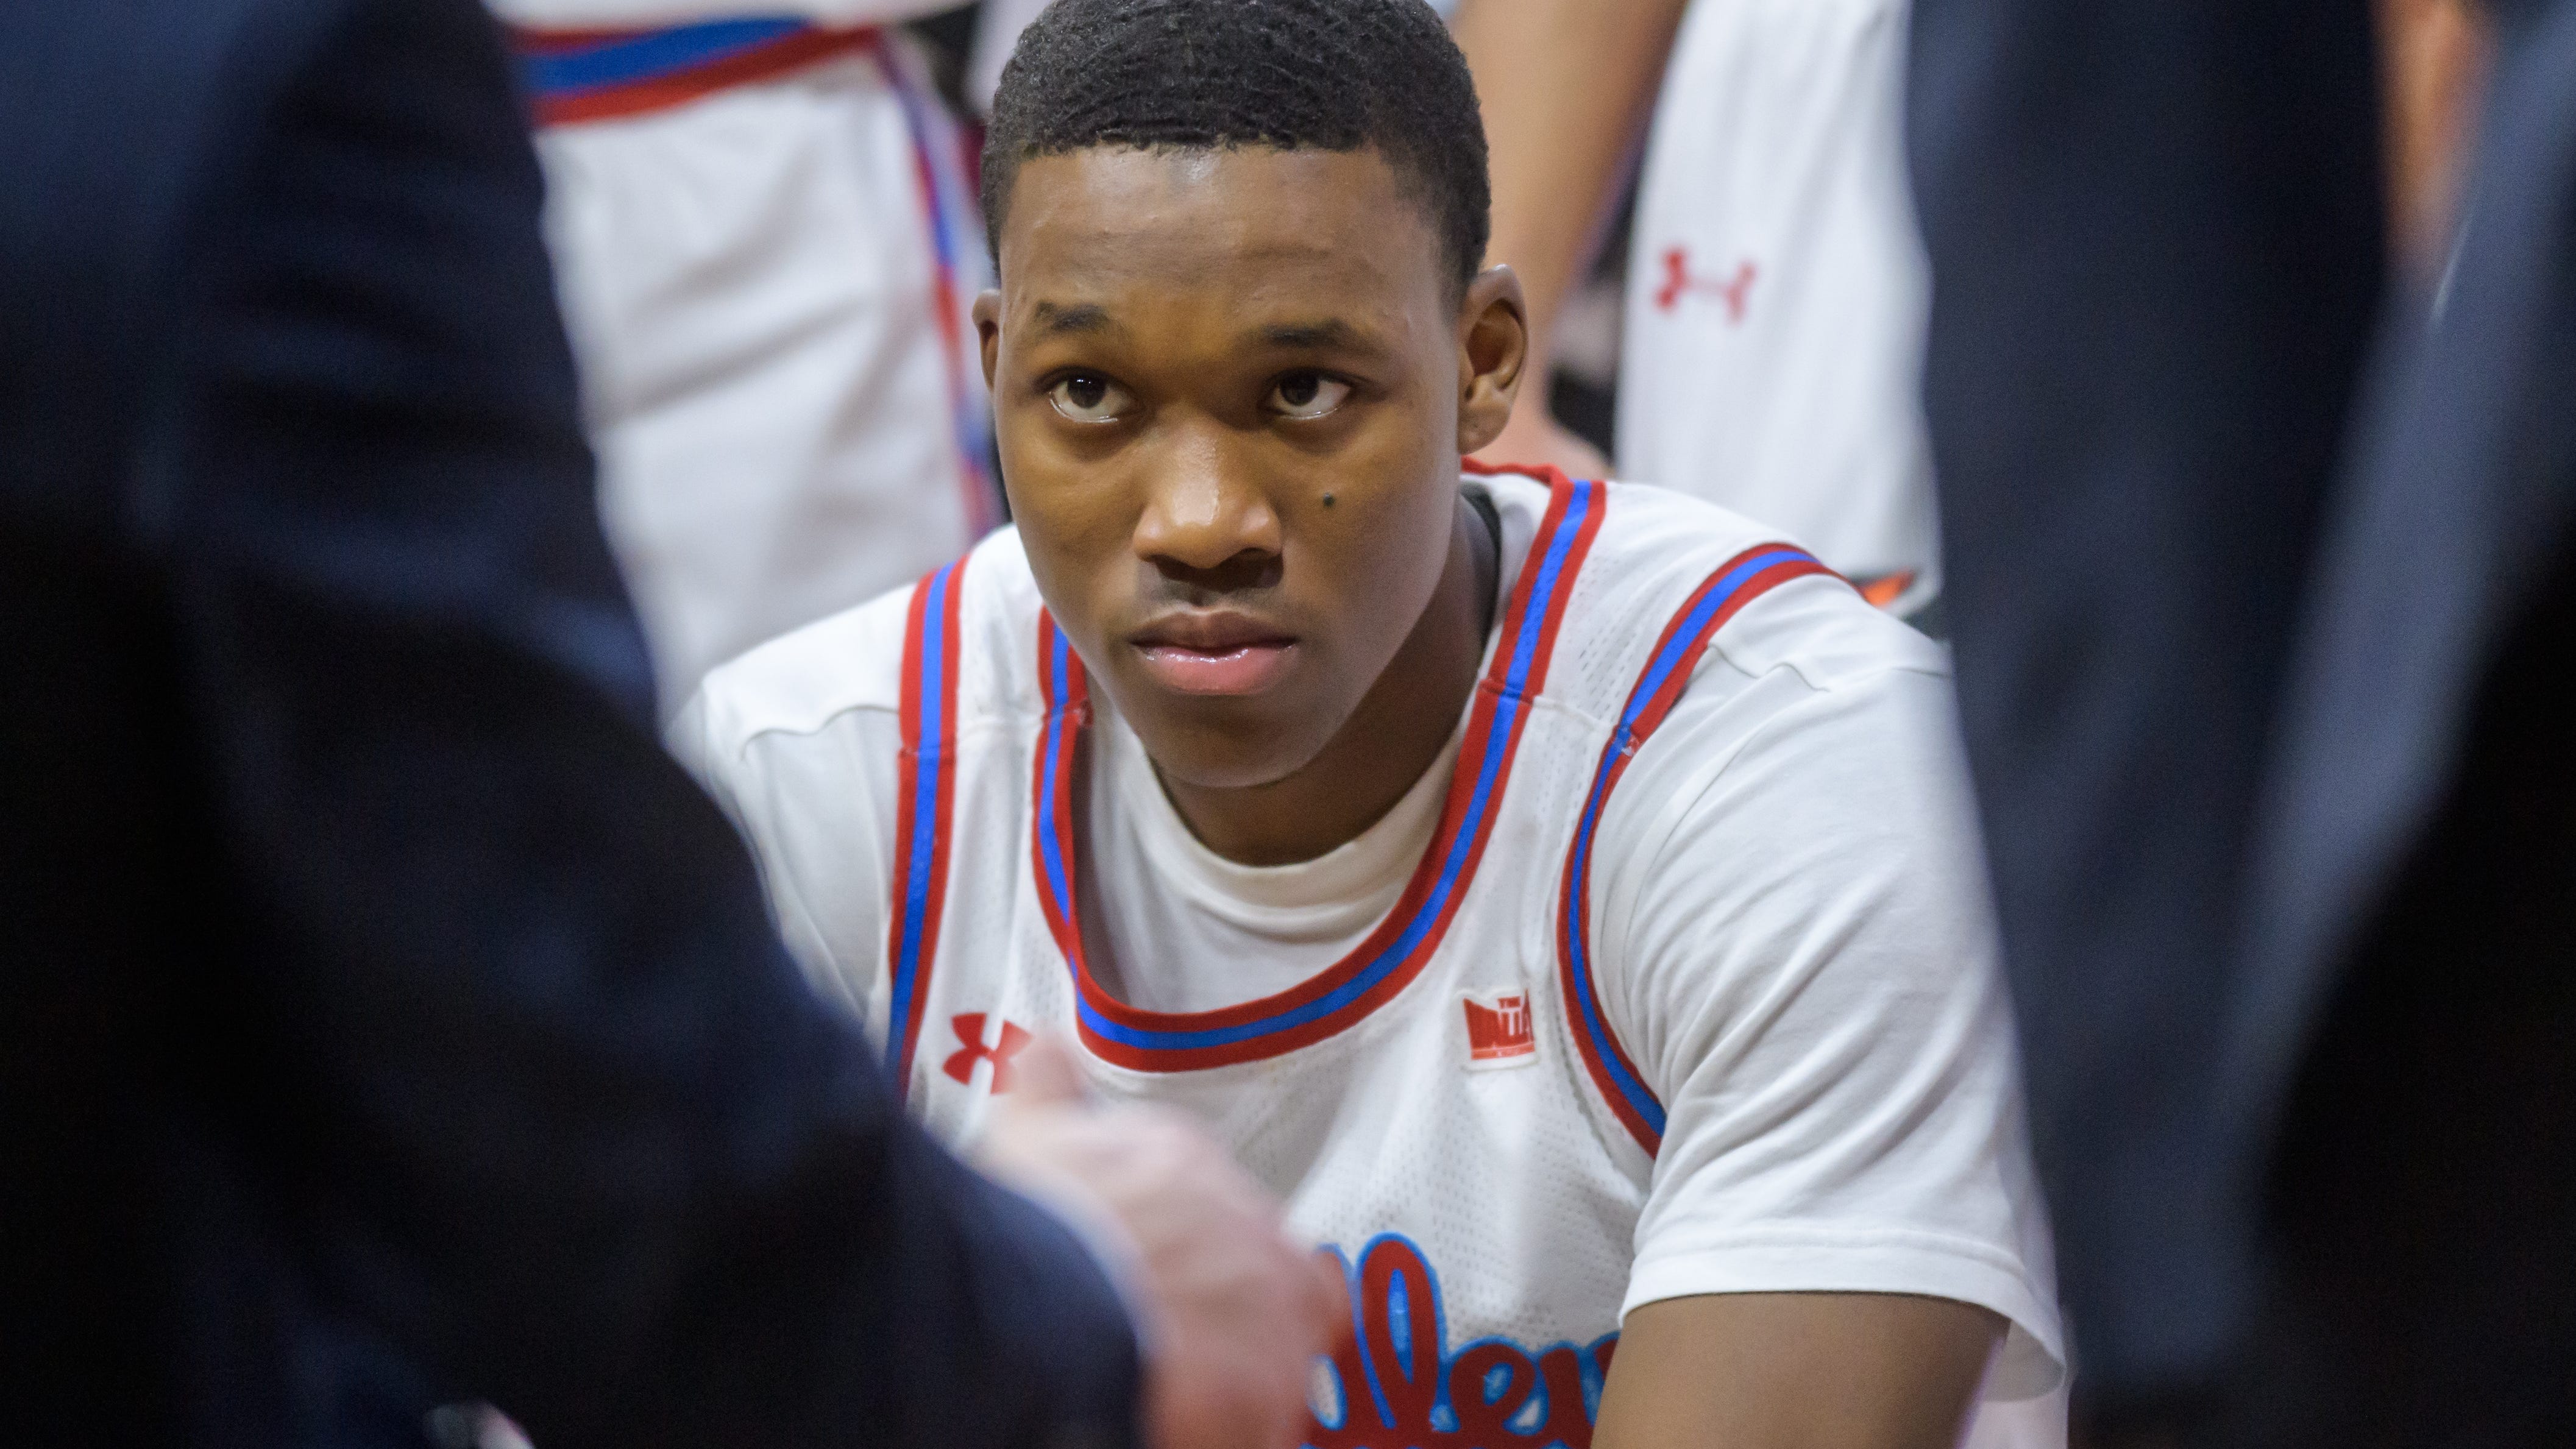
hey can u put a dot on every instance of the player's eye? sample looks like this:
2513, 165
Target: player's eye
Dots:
1306, 395
1089, 398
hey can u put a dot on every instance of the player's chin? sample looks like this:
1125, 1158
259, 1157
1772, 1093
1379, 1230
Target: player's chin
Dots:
1224, 743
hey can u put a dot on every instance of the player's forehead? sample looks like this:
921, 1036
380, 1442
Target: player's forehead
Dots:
1107, 236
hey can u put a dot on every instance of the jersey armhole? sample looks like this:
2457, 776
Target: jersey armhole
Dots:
1667, 672
925, 809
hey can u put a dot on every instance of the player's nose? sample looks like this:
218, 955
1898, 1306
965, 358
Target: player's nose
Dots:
1202, 518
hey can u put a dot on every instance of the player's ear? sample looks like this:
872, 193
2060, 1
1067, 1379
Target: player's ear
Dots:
988, 330
1493, 352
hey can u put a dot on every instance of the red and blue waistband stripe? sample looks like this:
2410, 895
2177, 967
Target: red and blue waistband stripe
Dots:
596, 75
922, 813
1718, 598
1397, 950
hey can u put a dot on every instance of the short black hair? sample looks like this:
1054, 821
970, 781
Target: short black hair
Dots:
1330, 75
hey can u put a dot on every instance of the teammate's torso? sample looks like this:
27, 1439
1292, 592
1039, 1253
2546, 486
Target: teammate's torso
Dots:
766, 246
1772, 327
1445, 1107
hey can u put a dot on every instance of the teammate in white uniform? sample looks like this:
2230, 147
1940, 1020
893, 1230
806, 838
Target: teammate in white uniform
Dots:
766, 244
1772, 336
1560, 892
1773, 333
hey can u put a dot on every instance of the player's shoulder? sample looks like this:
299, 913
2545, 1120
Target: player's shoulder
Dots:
1836, 690
855, 660
1659, 561
1816, 624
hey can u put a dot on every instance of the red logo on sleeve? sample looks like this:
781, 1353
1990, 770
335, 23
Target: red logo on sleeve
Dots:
1498, 1029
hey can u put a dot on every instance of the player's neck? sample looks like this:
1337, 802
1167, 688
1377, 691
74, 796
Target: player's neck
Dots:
1397, 732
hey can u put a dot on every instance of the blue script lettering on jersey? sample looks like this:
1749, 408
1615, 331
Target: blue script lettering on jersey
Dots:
1395, 1384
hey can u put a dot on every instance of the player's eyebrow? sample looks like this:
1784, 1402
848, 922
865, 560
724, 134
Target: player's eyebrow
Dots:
1332, 332
1053, 318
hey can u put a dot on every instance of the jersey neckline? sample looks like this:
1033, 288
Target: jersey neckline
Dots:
1403, 942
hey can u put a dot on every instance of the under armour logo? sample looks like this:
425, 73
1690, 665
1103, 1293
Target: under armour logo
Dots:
970, 1031
1678, 281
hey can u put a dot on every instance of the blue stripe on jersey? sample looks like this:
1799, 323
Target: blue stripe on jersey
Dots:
652, 54
924, 784
1685, 642
1489, 769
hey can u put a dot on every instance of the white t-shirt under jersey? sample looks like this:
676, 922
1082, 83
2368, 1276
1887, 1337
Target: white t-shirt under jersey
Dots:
1182, 928
1792, 938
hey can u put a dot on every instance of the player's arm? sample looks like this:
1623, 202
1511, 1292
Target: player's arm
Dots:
1795, 953
1796, 1371
1566, 87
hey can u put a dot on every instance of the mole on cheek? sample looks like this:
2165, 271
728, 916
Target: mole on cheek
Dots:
1328, 500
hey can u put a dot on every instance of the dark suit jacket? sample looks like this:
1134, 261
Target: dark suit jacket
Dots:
385, 1019
2409, 999
2251, 616
2155, 242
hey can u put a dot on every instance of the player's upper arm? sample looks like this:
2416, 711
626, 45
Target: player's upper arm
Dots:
1795, 1371
1795, 949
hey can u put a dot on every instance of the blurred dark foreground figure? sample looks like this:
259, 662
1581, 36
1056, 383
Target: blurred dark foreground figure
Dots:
384, 1019
2263, 587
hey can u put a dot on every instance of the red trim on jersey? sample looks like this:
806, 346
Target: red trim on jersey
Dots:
1051, 784
942, 223
921, 854
645, 95
1481, 765
1659, 687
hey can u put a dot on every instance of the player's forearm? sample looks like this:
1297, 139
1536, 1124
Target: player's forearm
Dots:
1566, 86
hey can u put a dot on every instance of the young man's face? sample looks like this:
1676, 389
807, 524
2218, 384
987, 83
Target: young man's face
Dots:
1231, 389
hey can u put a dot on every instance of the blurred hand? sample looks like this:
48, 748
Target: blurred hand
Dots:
1535, 439
1234, 1310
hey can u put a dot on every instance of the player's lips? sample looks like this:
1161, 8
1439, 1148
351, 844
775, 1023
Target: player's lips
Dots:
1214, 653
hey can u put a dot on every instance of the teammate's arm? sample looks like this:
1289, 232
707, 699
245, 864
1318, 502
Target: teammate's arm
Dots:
1566, 86
1794, 1370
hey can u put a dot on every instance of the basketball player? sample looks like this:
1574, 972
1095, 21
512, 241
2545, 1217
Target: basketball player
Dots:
1772, 334
1560, 892
764, 234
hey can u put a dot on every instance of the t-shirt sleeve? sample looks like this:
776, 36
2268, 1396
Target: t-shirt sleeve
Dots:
1796, 949
817, 808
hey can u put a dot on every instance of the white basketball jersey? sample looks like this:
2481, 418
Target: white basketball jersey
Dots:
766, 246
1773, 330
1445, 1107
